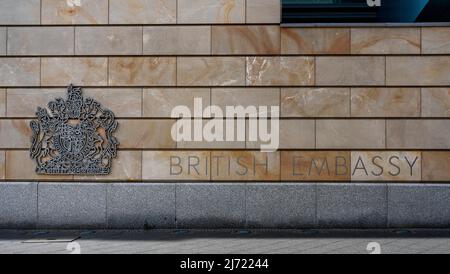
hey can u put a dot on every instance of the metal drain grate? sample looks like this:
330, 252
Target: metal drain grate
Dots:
44, 237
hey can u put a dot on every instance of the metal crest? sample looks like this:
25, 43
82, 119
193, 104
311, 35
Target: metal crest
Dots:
74, 137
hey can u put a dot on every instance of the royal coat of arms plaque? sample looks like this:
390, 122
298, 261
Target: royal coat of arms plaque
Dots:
74, 136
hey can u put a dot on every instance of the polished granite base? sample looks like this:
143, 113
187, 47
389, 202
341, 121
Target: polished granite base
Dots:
223, 205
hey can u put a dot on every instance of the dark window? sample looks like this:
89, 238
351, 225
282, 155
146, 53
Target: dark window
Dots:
359, 11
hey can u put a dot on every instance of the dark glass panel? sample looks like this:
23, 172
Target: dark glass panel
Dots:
358, 11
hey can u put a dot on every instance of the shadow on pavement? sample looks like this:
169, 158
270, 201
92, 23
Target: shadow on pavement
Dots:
180, 234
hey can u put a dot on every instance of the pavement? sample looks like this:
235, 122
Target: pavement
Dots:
226, 242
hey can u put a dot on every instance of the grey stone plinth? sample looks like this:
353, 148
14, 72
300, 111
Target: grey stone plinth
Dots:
2, 41
419, 205
223, 205
141, 206
281, 205
351, 205
213, 205
71, 205
18, 205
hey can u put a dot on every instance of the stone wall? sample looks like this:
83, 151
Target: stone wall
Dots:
348, 92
